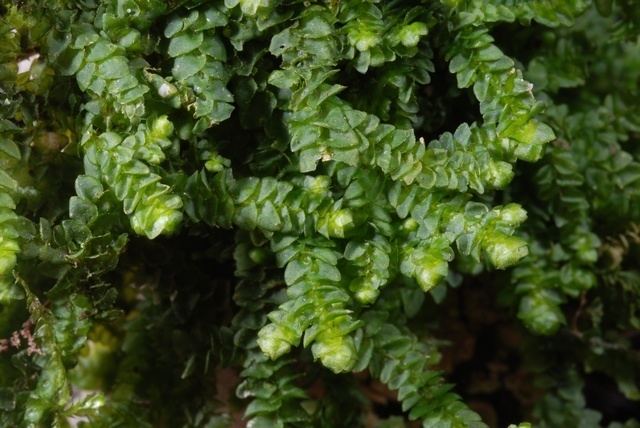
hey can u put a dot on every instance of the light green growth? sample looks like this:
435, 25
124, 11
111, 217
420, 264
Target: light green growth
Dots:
316, 309
125, 166
295, 201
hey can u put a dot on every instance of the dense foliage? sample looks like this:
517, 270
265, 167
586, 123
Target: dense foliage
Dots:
262, 211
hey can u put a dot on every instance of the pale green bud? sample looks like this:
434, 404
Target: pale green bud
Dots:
364, 289
410, 34
362, 38
166, 90
513, 214
431, 271
366, 295
500, 174
541, 313
157, 220
409, 225
337, 353
503, 250
339, 222
272, 341
161, 128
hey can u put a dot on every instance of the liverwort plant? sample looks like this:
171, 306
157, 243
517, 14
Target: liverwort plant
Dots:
226, 212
